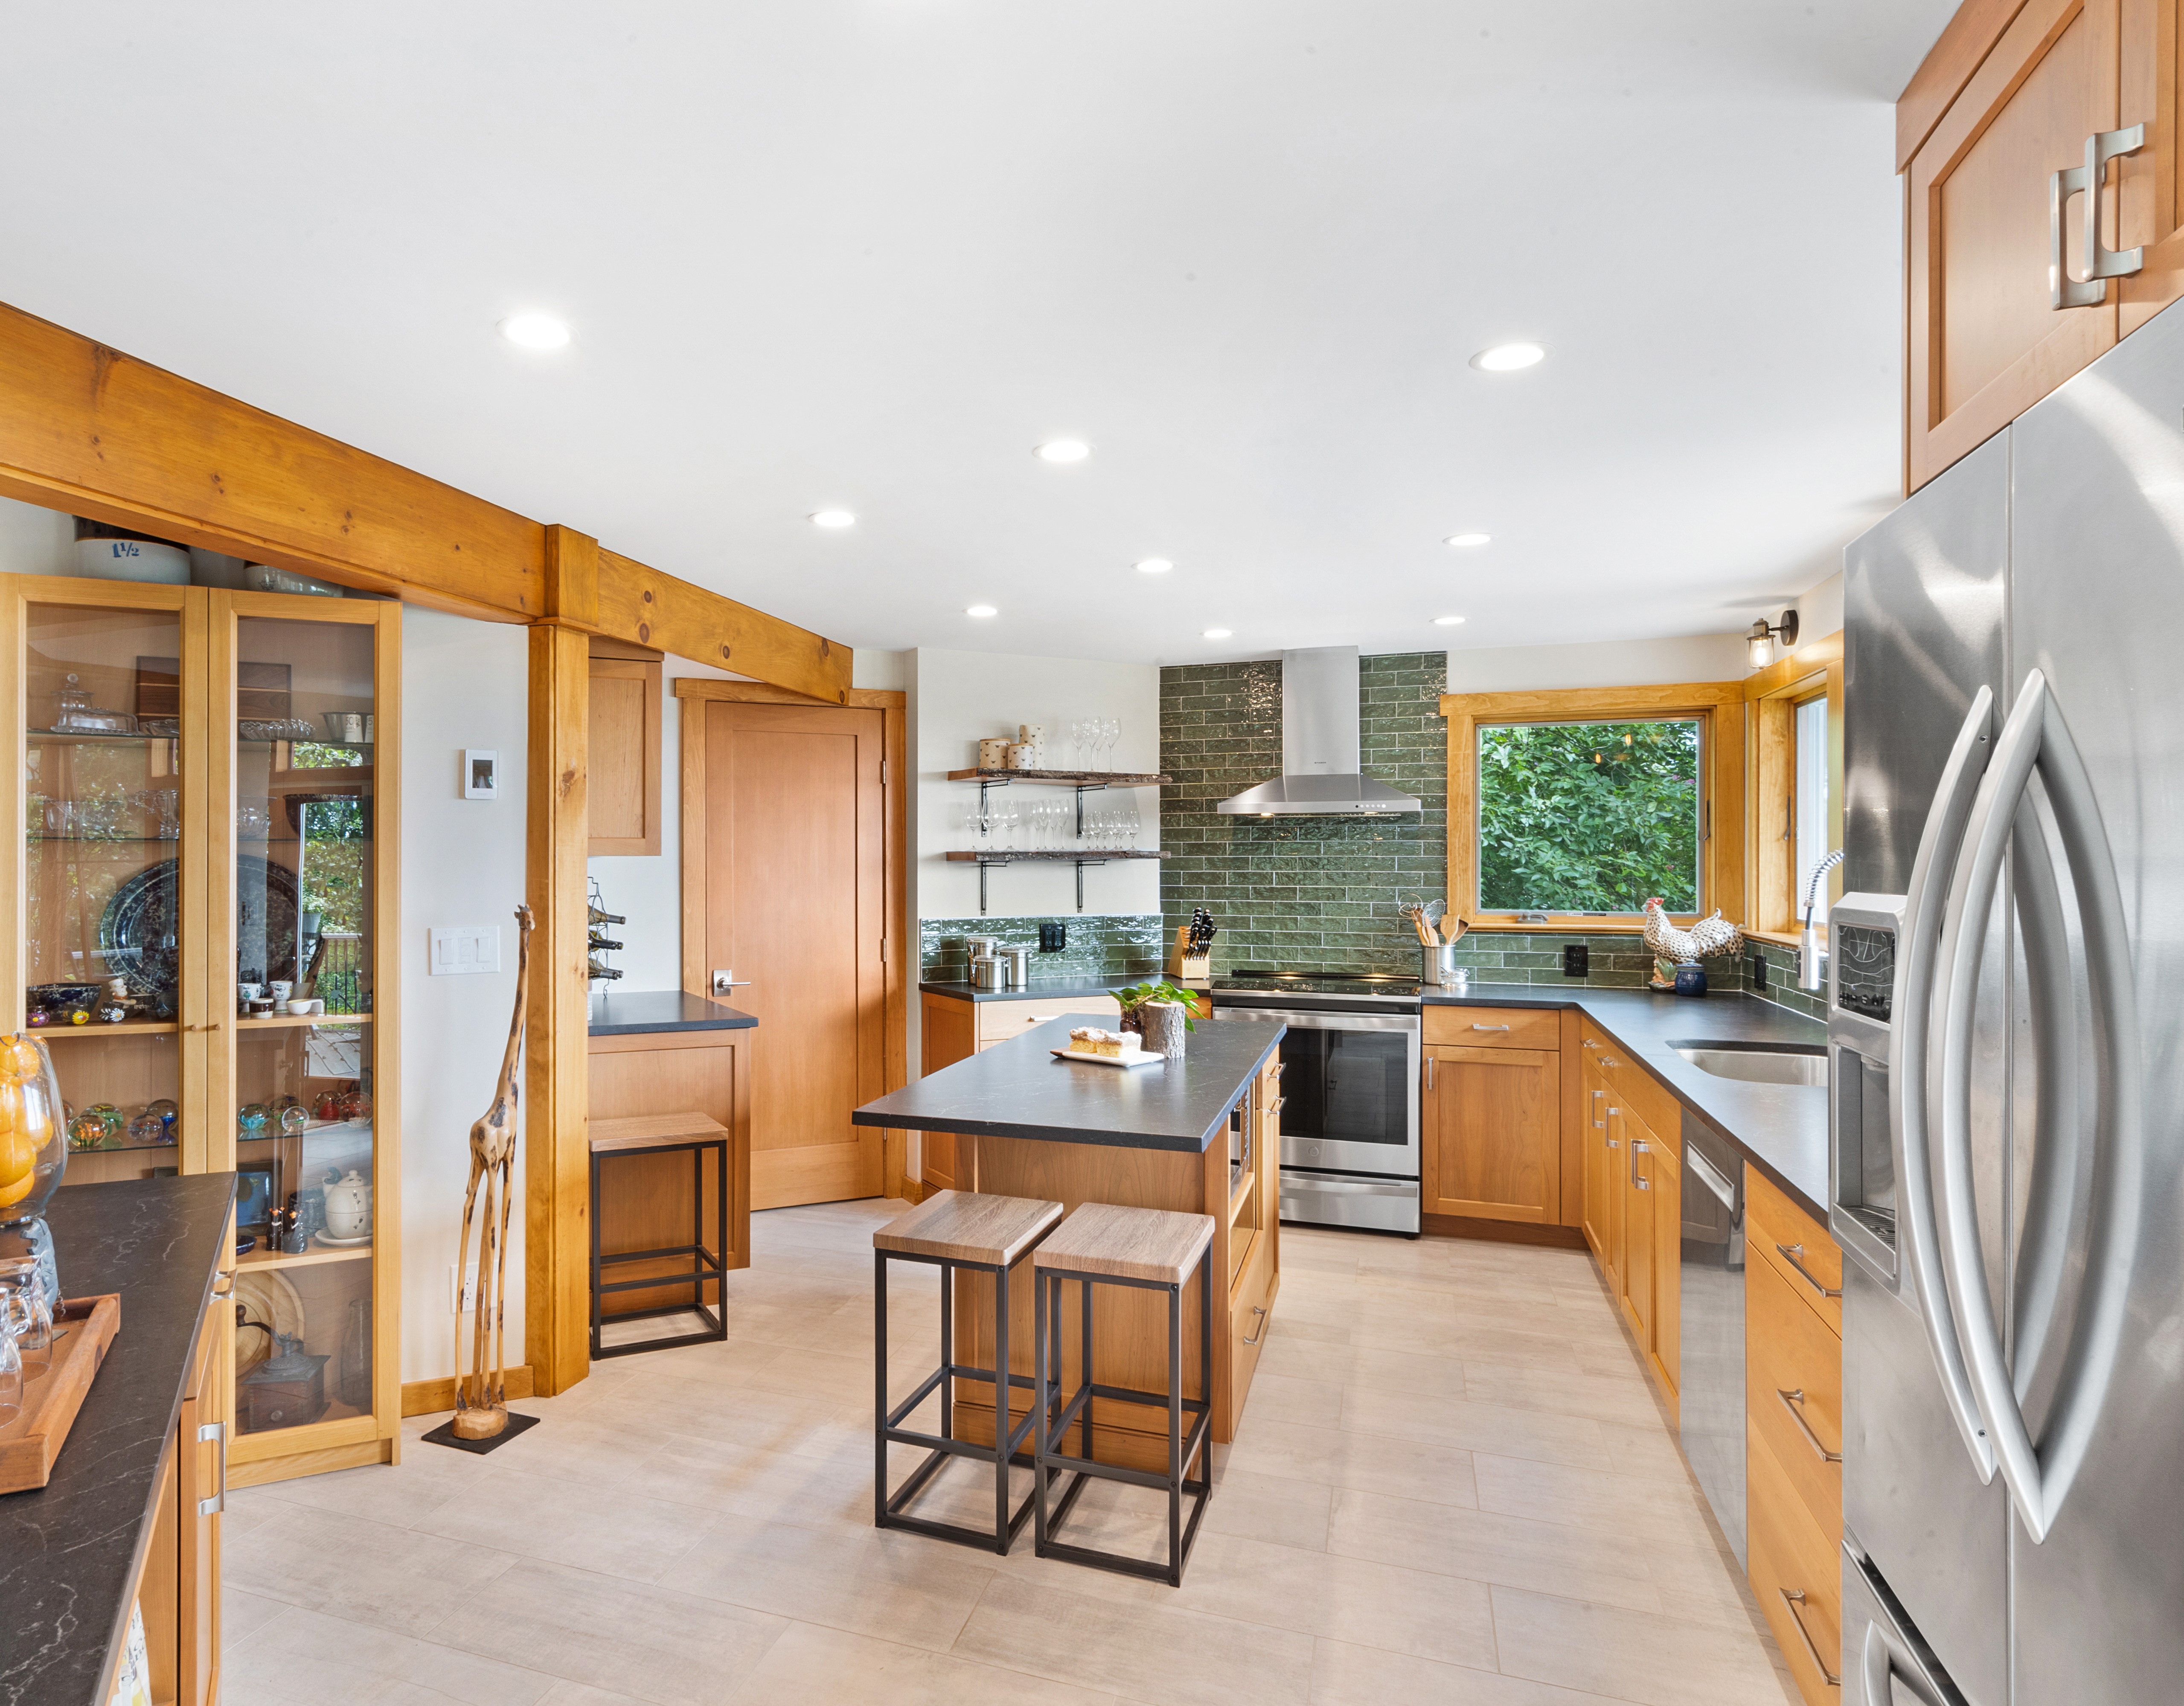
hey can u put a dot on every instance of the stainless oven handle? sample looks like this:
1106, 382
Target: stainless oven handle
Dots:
1313, 1019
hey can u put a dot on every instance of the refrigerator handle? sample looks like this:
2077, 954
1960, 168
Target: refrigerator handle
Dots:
1940, 844
2036, 736
1879, 1662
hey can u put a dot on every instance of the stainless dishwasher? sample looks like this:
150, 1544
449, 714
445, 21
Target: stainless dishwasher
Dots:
1712, 1389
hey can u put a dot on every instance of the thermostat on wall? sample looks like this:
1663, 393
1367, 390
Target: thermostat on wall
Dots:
481, 774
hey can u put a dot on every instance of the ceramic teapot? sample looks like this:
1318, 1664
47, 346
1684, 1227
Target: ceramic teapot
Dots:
348, 1207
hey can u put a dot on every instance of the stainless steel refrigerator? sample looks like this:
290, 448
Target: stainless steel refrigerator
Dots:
2006, 1056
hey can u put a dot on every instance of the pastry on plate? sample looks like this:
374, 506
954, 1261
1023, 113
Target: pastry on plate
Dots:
1090, 1040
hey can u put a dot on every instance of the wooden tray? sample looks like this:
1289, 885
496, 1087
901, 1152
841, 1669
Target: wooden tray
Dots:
29, 1444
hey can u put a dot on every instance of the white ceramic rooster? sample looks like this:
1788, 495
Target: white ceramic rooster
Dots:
1673, 947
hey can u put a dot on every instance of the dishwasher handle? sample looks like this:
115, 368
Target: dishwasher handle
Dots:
1710, 1176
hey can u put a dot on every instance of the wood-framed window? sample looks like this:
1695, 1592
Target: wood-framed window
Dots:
1796, 784
1521, 763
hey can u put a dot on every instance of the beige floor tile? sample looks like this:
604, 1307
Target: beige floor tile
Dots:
1344, 1674
655, 1643
721, 1475
1158, 1653
1703, 1584
1371, 1463
566, 1693
897, 1586
402, 1494
1627, 1400
583, 1448
1286, 1398
809, 1665
302, 1656
1345, 1365
1628, 1655
1643, 1449
1344, 1598
242, 1612
1595, 1499
1475, 1426
1262, 1507
366, 1572
1487, 1547
551, 1518
662, 1404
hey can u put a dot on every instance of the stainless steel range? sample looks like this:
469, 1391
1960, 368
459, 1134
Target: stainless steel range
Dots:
1350, 1091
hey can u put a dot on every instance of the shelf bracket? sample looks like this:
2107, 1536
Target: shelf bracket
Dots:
1084, 789
1081, 864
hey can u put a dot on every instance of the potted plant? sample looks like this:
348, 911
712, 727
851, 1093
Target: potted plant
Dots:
1160, 1011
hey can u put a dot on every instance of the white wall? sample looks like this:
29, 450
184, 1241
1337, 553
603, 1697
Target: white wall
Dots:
465, 684
956, 698
1603, 663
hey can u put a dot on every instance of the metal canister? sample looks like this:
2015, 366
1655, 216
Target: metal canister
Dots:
989, 971
1018, 960
1438, 966
973, 946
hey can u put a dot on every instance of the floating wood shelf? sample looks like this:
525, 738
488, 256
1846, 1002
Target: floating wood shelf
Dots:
1062, 779
92, 1028
313, 1257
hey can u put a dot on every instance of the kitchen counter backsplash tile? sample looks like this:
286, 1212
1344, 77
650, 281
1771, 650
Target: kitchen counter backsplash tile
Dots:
1098, 945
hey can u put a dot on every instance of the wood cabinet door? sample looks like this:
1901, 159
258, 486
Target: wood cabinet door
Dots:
2150, 210
947, 1032
1983, 341
200, 1478
623, 801
1493, 1132
1640, 1244
1593, 1102
1660, 1169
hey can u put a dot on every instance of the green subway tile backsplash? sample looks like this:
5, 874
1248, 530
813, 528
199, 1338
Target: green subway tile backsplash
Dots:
1097, 947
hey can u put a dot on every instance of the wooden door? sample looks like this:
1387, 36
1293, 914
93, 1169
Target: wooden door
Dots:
2150, 209
795, 883
1594, 1101
1492, 1136
1984, 341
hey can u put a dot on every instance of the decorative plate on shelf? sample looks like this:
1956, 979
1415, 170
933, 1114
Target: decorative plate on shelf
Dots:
141, 929
264, 1295
334, 1243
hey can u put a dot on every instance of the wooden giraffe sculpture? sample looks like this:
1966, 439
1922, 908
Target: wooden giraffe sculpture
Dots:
481, 1398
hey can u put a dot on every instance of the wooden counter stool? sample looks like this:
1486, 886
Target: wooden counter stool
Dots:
1152, 1249
663, 1134
988, 1234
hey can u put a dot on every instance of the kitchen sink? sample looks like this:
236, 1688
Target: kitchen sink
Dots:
1759, 1062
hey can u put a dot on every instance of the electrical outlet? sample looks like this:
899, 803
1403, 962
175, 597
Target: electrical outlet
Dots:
1577, 960
1759, 971
465, 1300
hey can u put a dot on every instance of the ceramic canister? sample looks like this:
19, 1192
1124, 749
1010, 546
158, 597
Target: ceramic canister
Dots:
993, 754
348, 1207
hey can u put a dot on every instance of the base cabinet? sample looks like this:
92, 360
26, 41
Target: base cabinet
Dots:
951, 1029
1490, 1134
178, 1594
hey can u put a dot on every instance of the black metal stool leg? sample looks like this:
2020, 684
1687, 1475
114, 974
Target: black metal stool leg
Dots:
1175, 1435
1001, 1409
879, 1388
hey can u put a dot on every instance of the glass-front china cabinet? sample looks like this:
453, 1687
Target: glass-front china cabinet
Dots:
204, 901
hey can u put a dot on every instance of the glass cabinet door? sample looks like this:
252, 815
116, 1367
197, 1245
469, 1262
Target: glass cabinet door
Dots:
306, 960
111, 870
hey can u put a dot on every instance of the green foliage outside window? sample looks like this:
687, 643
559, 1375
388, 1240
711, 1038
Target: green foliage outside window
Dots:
1588, 816
336, 866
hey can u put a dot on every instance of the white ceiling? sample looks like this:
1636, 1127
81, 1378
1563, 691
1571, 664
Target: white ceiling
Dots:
868, 252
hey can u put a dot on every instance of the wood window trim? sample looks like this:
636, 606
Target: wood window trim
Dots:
1774, 695
1720, 709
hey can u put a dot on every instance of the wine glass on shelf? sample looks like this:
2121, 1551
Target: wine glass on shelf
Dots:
1133, 823
1110, 732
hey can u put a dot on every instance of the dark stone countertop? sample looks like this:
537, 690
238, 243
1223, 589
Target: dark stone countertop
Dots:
1065, 989
1018, 1089
1782, 1129
70, 1551
636, 1012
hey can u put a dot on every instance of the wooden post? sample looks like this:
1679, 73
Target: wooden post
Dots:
557, 1174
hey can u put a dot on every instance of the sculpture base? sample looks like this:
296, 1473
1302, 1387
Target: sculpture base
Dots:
480, 1422
445, 1433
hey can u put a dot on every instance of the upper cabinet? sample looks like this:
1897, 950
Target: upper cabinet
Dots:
624, 801
2039, 147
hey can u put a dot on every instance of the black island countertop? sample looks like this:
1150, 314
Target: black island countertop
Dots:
71, 1551
1018, 1089
639, 1012
1781, 1128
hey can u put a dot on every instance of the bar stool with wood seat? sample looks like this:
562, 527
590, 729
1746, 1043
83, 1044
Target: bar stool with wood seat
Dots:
1151, 1249
698, 1136
988, 1234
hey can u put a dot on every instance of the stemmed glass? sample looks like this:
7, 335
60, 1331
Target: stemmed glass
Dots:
1111, 731
11, 1372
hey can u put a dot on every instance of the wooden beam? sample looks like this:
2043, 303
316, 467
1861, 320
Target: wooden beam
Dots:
641, 604
557, 1174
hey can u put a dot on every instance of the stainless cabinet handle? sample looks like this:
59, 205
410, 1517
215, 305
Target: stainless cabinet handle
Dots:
1612, 1113
2062, 290
1599, 1097
1588, 1043
1791, 1398
1262, 1333
1490, 1028
1429, 1072
217, 1502
2103, 262
1605, 1061
1792, 1597
1280, 1067
223, 1283
1790, 1253
1277, 1105
1635, 1148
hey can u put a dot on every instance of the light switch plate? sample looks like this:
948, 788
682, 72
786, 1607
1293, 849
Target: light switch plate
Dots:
465, 948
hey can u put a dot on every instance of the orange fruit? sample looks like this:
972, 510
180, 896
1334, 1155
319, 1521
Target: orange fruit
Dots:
19, 1155
10, 1195
19, 1061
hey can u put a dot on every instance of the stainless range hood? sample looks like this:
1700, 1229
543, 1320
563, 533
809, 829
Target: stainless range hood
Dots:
1321, 774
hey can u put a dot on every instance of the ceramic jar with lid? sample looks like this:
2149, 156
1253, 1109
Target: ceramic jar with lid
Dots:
348, 1207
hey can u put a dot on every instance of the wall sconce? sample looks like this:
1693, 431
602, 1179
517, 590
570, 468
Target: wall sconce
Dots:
1755, 642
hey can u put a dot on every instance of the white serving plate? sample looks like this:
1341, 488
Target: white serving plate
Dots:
1136, 1057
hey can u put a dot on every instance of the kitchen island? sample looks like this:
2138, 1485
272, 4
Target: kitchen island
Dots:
1197, 1135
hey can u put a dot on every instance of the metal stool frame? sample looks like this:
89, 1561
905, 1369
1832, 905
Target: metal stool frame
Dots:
705, 1265
1181, 1449
889, 1511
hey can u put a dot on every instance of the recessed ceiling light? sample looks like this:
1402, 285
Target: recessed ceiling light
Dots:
833, 518
981, 611
1465, 542
1154, 565
1447, 621
1064, 450
1508, 358
535, 331
1218, 634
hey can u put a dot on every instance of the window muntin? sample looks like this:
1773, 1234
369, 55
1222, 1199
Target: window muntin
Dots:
1589, 817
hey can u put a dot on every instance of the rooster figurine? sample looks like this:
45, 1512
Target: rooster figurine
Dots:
1673, 947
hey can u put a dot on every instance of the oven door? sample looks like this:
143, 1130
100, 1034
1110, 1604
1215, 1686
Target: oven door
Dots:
1350, 1089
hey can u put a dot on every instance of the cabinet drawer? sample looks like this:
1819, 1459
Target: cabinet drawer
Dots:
998, 1021
1797, 1245
1248, 1311
1795, 1577
1494, 1028
1793, 1369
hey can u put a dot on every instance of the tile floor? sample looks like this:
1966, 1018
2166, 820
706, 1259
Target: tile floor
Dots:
1453, 1485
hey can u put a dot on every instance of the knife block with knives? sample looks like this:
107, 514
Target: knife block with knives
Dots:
1192, 962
